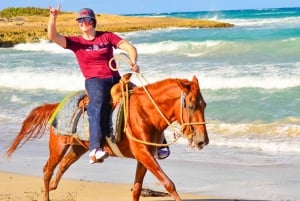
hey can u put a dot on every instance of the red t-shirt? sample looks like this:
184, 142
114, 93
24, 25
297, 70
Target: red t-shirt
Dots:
93, 55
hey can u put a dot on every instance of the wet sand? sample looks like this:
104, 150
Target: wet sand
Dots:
16, 187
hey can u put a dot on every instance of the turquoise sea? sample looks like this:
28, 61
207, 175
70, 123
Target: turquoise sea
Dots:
250, 79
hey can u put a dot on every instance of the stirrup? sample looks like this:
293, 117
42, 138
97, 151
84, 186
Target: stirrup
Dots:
163, 152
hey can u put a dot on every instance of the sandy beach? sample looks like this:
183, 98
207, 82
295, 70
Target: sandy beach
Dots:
16, 187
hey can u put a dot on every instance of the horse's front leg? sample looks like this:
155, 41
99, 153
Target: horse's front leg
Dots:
150, 163
72, 156
138, 181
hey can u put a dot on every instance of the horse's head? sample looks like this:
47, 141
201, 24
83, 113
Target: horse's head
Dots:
192, 113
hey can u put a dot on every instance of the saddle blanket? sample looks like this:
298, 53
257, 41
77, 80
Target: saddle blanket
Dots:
70, 119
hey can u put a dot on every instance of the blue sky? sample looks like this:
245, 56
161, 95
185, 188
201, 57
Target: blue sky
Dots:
151, 6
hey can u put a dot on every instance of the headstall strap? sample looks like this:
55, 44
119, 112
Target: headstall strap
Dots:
183, 95
188, 123
183, 105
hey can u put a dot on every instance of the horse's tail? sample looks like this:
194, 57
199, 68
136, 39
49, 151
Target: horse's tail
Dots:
33, 126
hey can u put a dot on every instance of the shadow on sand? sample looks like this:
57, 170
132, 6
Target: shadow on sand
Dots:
151, 193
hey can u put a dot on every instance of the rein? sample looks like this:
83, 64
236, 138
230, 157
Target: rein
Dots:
118, 59
125, 95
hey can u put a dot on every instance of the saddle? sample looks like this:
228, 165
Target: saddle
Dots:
70, 117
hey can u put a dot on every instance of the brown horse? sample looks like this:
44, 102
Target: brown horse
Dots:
174, 99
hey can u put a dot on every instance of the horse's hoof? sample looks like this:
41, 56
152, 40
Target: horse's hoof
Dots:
151, 193
52, 186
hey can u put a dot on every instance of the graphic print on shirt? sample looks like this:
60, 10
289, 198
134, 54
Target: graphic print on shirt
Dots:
97, 47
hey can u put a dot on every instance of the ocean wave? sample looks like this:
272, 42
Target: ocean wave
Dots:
223, 49
70, 80
265, 145
61, 81
264, 22
43, 45
188, 48
218, 49
284, 128
277, 137
263, 82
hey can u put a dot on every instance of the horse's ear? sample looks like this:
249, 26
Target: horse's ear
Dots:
185, 85
196, 82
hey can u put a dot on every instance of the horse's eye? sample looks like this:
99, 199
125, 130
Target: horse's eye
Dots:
191, 107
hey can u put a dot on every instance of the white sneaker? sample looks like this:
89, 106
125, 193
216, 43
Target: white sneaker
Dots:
97, 155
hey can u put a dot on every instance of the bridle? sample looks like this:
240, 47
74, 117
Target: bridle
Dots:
175, 133
188, 115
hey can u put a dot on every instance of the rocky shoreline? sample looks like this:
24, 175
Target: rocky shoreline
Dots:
24, 29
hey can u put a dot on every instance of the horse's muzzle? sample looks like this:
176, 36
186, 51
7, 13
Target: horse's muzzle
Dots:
199, 141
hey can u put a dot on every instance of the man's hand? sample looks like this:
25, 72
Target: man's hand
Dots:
135, 68
55, 11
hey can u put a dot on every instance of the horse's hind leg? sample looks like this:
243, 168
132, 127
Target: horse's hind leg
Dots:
75, 152
57, 148
138, 182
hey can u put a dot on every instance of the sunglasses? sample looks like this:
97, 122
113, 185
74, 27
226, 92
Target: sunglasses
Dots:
87, 19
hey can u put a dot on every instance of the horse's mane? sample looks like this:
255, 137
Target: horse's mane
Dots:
162, 84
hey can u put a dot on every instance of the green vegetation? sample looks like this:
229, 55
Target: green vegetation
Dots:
28, 11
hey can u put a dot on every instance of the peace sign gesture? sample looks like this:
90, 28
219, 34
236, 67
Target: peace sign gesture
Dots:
55, 11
